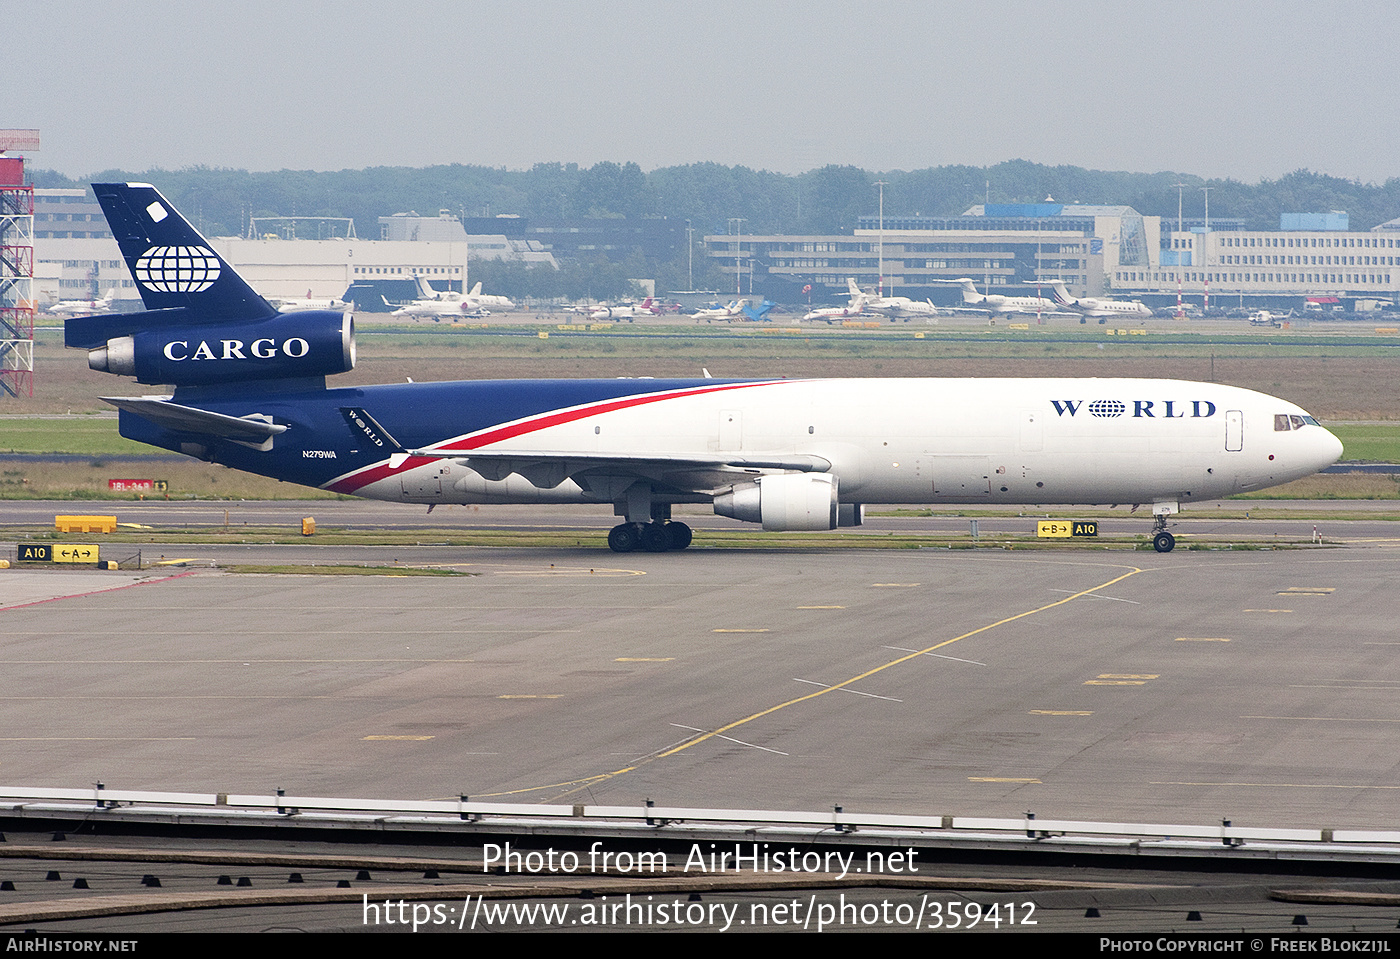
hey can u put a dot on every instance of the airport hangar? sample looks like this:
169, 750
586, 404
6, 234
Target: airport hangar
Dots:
77, 258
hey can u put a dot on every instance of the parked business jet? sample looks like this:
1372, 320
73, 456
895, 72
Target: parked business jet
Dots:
997, 303
1092, 306
250, 392
895, 307
480, 300
295, 304
432, 302
83, 307
717, 312
625, 312
856, 307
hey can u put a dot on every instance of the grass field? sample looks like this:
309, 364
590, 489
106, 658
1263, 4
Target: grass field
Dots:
1369, 442
80, 435
41, 478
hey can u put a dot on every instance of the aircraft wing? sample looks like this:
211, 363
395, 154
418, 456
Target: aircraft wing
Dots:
188, 419
689, 472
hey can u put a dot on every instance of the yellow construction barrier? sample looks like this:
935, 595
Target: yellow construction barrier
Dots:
85, 524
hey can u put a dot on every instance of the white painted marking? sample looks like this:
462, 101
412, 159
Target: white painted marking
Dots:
903, 649
1097, 596
844, 689
737, 742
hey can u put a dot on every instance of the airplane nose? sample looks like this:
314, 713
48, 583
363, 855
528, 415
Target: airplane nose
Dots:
1329, 448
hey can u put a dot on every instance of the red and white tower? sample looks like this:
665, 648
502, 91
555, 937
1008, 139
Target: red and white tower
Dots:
16, 266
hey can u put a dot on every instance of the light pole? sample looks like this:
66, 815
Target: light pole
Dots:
738, 224
880, 268
690, 251
1205, 238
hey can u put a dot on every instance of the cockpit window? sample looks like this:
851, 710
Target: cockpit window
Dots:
1310, 421
1281, 423
1297, 421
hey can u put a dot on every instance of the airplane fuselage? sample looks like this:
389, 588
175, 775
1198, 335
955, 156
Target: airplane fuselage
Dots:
1092, 306
1008, 441
901, 306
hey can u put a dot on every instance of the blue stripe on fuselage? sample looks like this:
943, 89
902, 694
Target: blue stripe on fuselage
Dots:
320, 446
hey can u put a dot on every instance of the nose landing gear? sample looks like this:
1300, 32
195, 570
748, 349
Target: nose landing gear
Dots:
1162, 541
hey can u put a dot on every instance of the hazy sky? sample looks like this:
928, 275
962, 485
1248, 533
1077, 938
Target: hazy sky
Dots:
1238, 89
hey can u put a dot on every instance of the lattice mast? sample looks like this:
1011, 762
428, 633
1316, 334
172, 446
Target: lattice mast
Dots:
16, 266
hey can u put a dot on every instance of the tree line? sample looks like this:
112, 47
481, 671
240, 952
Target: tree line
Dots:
828, 200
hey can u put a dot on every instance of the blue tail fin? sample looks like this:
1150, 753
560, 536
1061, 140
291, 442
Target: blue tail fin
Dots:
762, 312
173, 265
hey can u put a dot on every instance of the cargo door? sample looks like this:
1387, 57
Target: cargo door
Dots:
962, 477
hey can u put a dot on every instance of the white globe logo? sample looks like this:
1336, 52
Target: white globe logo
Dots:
177, 269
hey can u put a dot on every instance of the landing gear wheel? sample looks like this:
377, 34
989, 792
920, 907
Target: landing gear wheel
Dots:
624, 537
678, 534
655, 539
1163, 542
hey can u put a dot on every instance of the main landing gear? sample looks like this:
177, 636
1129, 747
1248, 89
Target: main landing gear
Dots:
654, 537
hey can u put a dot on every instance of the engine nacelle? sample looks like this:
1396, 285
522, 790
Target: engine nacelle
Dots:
285, 346
784, 501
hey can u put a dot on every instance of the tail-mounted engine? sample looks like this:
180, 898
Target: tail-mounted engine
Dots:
284, 346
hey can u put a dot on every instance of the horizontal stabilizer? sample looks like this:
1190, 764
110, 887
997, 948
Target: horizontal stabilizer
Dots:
92, 332
189, 419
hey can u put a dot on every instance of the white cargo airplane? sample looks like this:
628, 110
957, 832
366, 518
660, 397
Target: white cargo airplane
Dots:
250, 393
997, 303
1092, 306
83, 307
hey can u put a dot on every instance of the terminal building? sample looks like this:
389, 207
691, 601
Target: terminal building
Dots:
1311, 256
1005, 247
657, 239
1096, 250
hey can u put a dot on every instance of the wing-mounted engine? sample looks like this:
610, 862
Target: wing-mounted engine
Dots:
784, 501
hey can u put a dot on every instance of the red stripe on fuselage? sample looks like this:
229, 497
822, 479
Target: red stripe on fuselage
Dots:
373, 474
